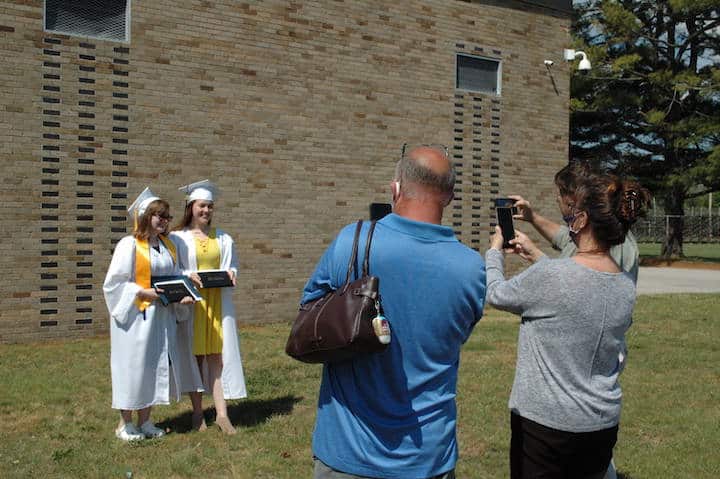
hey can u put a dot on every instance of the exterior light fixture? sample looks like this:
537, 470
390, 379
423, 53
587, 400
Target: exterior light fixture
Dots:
571, 55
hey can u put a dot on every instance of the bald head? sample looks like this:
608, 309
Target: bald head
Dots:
425, 169
431, 159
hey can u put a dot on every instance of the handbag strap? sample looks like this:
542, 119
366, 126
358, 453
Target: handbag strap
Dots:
366, 261
353, 256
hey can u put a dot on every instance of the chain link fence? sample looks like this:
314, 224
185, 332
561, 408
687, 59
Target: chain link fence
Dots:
696, 228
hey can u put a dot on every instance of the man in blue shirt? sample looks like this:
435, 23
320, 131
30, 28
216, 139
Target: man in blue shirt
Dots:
392, 414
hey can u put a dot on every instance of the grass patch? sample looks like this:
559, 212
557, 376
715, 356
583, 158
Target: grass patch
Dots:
58, 422
701, 252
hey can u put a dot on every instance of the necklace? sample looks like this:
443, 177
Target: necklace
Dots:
593, 252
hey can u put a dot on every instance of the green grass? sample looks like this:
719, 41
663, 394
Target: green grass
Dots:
709, 252
57, 421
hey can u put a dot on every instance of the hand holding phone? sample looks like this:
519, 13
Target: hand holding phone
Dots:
522, 210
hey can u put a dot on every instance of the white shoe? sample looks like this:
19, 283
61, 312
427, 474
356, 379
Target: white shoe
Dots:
151, 431
128, 432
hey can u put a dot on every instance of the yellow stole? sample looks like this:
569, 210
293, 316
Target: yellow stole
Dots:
142, 265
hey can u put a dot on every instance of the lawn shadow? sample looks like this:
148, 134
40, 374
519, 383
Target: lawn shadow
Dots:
254, 412
244, 413
622, 475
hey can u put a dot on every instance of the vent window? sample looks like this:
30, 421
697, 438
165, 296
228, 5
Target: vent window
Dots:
102, 19
478, 74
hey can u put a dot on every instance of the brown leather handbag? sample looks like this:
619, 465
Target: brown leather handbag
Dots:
339, 326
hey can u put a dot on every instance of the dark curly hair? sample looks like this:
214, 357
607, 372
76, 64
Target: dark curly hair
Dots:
612, 204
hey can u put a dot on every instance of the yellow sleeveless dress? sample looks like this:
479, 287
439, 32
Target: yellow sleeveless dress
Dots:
207, 325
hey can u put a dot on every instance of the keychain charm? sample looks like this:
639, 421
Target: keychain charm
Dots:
381, 326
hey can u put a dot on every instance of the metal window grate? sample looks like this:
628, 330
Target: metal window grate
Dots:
104, 19
477, 74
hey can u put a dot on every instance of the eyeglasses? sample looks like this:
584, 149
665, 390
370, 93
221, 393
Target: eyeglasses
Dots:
164, 217
407, 147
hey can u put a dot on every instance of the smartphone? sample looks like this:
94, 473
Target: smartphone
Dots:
504, 209
379, 210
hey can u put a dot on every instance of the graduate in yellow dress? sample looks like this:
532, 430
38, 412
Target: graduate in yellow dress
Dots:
143, 353
212, 334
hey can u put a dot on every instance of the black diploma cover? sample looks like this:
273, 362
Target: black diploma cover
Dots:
215, 278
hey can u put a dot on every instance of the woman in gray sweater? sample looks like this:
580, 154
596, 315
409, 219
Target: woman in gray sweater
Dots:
565, 399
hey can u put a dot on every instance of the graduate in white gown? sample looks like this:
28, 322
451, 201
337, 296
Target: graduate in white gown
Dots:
212, 336
142, 331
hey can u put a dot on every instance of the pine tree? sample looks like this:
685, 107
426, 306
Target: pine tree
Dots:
650, 107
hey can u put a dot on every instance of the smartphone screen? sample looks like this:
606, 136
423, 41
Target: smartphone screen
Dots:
379, 210
504, 210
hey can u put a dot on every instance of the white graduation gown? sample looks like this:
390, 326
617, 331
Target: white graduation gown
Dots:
233, 378
142, 345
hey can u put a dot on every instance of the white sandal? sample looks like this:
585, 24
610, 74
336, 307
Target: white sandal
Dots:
151, 431
128, 432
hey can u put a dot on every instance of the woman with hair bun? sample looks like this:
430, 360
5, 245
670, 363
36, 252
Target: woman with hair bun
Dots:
565, 401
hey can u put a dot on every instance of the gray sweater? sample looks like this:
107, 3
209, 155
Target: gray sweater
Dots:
571, 344
626, 255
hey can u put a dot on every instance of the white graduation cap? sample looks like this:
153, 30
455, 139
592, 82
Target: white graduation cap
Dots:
200, 190
138, 207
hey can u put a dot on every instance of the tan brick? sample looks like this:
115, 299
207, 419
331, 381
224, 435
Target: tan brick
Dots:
297, 111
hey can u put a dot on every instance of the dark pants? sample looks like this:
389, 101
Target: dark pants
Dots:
323, 471
540, 452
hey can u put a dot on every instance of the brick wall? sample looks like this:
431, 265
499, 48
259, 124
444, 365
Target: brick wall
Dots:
296, 109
